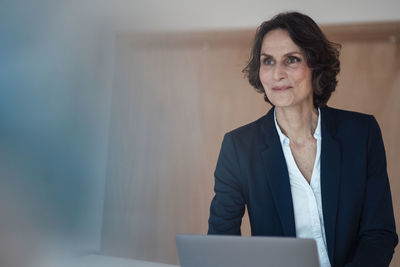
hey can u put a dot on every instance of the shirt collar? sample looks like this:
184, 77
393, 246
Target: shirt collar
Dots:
285, 140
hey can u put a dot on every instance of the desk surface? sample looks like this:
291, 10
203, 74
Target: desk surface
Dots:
93, 260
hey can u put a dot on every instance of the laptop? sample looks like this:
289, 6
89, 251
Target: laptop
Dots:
239, 251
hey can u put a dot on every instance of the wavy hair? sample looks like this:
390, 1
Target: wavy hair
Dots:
322, 56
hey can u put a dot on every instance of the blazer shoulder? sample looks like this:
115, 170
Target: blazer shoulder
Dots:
341, 114
250, 135
340, 117
248, 130
348, 123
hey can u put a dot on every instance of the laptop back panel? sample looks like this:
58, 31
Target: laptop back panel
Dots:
236, 251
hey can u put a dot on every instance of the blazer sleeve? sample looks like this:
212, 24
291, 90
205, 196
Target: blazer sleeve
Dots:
228, 205
377, 234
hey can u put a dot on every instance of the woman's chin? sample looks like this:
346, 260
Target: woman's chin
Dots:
281, 102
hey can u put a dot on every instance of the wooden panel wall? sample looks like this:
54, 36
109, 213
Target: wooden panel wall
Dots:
174, 97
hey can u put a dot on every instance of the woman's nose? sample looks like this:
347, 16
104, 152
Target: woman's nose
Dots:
279, 72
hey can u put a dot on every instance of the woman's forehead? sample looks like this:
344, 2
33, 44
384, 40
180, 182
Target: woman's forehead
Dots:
278, 41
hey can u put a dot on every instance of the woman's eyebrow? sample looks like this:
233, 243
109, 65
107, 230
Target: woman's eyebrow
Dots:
287, 54
293, 52
265, 55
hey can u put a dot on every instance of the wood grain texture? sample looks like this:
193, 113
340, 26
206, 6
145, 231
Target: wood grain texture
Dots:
174, 97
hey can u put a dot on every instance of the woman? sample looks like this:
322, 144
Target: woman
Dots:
305, 169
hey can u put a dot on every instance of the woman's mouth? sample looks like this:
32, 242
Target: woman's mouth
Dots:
281, 88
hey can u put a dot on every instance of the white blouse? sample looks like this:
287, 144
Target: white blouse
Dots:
307, 205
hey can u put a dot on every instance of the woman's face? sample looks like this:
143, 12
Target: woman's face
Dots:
284, 72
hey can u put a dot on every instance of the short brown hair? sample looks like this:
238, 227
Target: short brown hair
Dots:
322, 56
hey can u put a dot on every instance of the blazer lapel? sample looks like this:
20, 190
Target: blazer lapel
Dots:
278, 178
277, 175
330, 177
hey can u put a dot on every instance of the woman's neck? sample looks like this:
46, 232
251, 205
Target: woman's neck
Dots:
298, 123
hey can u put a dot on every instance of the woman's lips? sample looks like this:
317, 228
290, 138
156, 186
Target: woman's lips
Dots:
281, 88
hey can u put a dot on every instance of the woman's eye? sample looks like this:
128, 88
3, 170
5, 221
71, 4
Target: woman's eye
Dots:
268, 61
292, 60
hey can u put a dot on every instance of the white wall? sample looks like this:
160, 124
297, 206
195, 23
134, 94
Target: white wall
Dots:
56, 70
222, 14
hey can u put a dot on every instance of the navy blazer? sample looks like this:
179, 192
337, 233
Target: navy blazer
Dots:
356, 200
